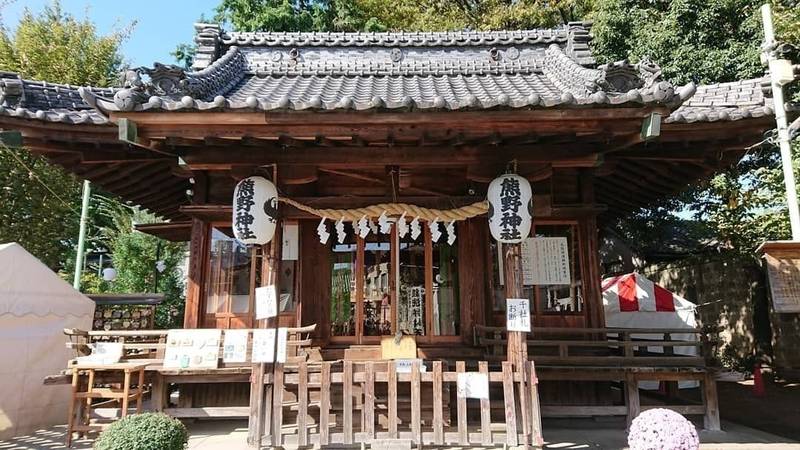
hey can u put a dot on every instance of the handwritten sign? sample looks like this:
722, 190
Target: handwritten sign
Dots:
472, 385
234, 347
283, 337
192, 349
266, 302
545, 261
264, 345
518, 314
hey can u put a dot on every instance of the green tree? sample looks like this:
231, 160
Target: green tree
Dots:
39, 201
57, 47
705, 41
136, 258
295, 15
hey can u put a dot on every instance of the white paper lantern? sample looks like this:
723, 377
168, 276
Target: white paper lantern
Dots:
510, 208
255, 210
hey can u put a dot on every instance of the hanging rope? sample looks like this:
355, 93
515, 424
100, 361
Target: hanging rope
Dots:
396, 210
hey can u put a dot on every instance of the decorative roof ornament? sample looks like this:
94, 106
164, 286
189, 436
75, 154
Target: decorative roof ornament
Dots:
164, 81
11, 90
622, 76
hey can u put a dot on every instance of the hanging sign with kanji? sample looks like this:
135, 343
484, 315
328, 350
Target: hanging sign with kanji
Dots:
255, 210
510, 208
545, 261
518, 314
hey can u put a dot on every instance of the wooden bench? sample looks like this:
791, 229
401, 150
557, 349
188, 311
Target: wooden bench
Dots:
620, 355
149, 347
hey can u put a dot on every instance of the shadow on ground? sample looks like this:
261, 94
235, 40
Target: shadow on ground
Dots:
585, 434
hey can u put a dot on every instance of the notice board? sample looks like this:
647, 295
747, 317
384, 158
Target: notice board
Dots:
782, 260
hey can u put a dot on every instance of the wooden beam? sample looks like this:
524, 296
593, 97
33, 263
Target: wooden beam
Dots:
370, 117
215, 158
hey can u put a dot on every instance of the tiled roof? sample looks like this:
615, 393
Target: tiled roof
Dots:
47, 101
445, 70
462, 70
726, 101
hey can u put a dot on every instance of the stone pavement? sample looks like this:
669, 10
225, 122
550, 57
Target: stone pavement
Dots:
562, 435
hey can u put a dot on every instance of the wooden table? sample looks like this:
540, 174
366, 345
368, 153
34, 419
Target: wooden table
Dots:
124, 394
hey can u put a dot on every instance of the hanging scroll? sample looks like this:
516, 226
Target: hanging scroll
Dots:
255, 210
545, 261
510, 208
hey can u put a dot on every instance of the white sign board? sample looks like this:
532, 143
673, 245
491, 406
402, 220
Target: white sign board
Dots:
404, 365
192, 349
472, 385
234, 347
266, 302
283, 337
545, 261
263, 345
291, 242
518, 314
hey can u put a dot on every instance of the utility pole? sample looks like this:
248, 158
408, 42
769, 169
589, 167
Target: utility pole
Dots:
87, 191
778, 77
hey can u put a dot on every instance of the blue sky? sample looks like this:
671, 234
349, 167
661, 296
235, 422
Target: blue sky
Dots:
161, 24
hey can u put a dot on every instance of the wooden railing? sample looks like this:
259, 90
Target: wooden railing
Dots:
314, 404
600, 346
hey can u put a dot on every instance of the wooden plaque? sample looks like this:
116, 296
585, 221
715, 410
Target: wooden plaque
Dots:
783, 272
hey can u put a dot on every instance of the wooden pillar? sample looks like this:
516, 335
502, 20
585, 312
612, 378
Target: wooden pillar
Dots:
198, 253
512, 264
270, 275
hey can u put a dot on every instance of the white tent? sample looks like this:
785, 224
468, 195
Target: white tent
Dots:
633, 301
35, 307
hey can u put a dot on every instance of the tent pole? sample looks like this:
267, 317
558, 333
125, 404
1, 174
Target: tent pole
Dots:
87, 191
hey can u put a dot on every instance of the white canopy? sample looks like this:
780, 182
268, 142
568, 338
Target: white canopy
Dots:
28, 287
35, 307
633, 301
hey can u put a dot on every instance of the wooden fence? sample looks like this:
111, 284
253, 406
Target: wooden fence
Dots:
315, 403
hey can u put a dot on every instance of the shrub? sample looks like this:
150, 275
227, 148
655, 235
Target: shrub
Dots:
148, 431
662, 429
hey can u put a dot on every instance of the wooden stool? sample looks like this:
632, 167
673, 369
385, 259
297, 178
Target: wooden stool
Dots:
124, 394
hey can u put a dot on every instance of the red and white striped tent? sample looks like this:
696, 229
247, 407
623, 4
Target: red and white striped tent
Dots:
635, 293
633, 301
